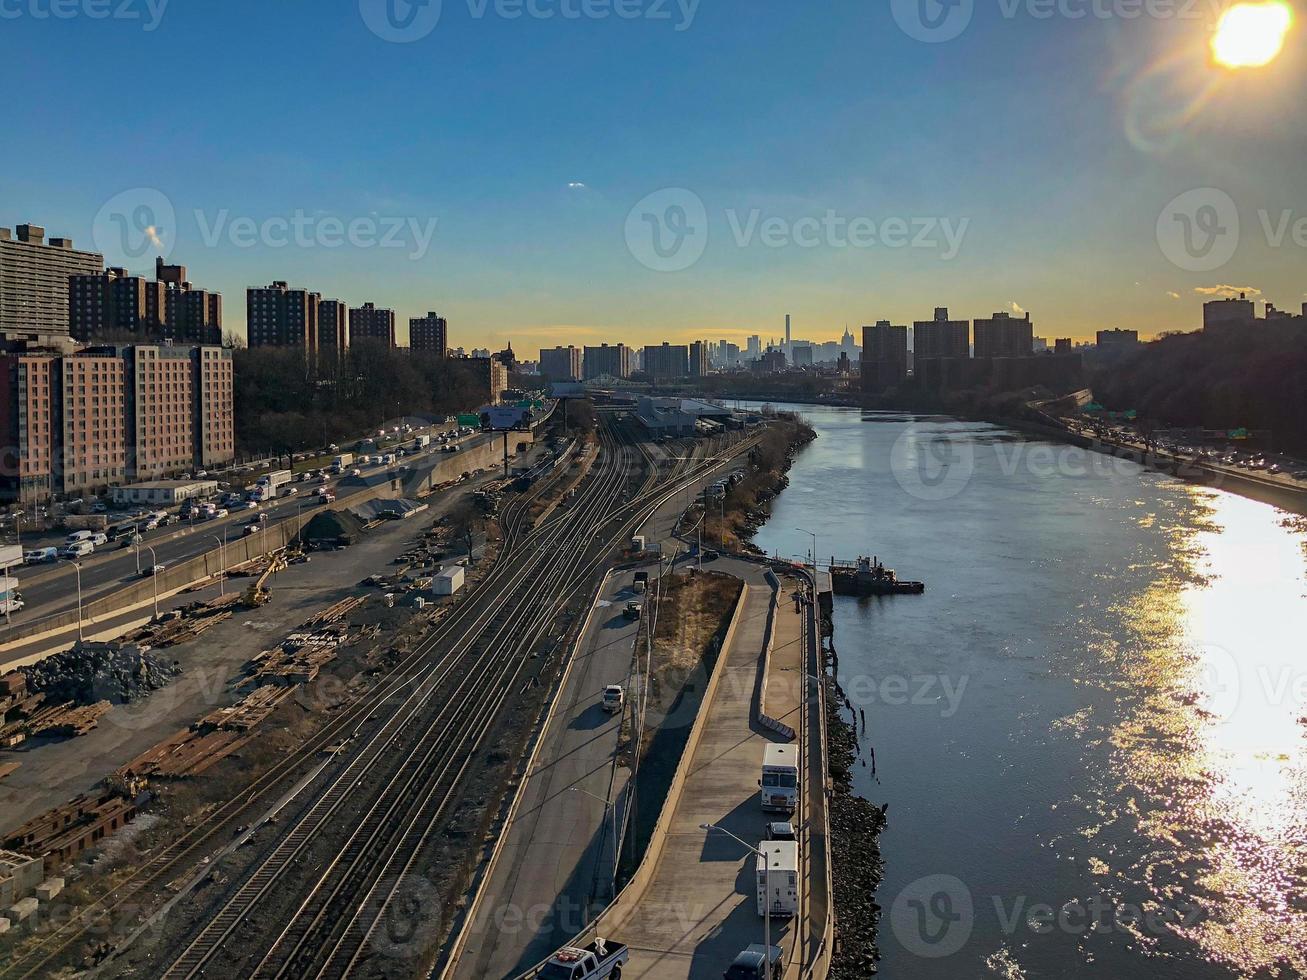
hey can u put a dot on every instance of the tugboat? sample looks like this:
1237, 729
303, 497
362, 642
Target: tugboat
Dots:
870, 577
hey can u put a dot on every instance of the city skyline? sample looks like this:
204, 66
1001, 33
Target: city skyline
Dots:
807, 206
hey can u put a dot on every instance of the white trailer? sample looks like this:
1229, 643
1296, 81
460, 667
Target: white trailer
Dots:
448, 580
777, 872
780, 778
275, 479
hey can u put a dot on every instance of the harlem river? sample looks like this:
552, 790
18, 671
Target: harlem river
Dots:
1090, 729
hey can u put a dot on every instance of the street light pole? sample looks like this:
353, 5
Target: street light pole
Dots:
766, 905
222, 560
610, 813
154, 574
814, 546
78, 569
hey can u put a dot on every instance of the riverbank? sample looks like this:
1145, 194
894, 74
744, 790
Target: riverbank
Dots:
731, 521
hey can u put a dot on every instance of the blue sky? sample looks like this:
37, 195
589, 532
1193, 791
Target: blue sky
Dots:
1049, 146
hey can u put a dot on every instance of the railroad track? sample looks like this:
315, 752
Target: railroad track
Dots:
599, 508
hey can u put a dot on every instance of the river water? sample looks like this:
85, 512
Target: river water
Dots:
1090, 730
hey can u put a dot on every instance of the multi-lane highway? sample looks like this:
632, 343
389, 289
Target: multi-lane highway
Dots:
50, 589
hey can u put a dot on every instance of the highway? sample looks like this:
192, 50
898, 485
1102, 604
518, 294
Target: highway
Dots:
51, 589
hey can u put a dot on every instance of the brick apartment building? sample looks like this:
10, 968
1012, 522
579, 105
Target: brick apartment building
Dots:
114, 306
333, 327
429, 333
884, 356
367, 323
561, 363
81, 421
278, 315
607, 361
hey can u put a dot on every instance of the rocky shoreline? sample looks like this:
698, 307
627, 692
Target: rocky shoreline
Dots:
857, 868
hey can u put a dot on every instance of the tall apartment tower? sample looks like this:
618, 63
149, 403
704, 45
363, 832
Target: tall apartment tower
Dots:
333, 328
561, 363
698, 359
366, 322
941, 337
429, 333
607, 361
1004, 335
667, 361
34, 277
114, 305
884, 356
279, 316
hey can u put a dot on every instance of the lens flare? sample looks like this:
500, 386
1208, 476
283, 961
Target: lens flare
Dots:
1250, 35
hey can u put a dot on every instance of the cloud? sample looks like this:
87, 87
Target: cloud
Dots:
1173, 294
1016, 308
575, 185
1228, 292
153, 233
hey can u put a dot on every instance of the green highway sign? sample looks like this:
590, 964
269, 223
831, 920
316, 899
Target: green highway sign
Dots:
469, 420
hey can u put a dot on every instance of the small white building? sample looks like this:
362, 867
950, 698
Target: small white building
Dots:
448, 580
163, 492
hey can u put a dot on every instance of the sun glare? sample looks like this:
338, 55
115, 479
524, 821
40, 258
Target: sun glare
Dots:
1250, 35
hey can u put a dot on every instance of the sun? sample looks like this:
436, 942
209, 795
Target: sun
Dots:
1250, 35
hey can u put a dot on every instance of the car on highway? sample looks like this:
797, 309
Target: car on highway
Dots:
753, 964
289, 491
614, 698
149, 571
39, 556
77, 549
781, 830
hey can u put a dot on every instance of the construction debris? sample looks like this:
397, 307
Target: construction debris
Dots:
92, 672
25, 715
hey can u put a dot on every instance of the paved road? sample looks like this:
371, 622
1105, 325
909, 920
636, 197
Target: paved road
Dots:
557, 856
50, 590
699, 908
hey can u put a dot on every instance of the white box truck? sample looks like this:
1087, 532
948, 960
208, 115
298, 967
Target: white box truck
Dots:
780, 778
777, 866
275, 479
342, 462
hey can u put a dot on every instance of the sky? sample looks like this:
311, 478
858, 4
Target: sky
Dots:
575, 171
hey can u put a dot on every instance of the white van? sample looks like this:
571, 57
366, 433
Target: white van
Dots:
777, 866
99, 538
77, 549
79, 536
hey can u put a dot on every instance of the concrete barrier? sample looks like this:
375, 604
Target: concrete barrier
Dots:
764, 719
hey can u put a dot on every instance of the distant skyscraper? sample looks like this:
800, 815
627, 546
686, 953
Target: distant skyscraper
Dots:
1117, 337
429, 333
753, 347
802, 354
786, 348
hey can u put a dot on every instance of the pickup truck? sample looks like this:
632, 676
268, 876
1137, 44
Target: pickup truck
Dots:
751, 964
594, 962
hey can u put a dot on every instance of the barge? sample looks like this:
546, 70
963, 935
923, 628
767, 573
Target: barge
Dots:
867, 577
